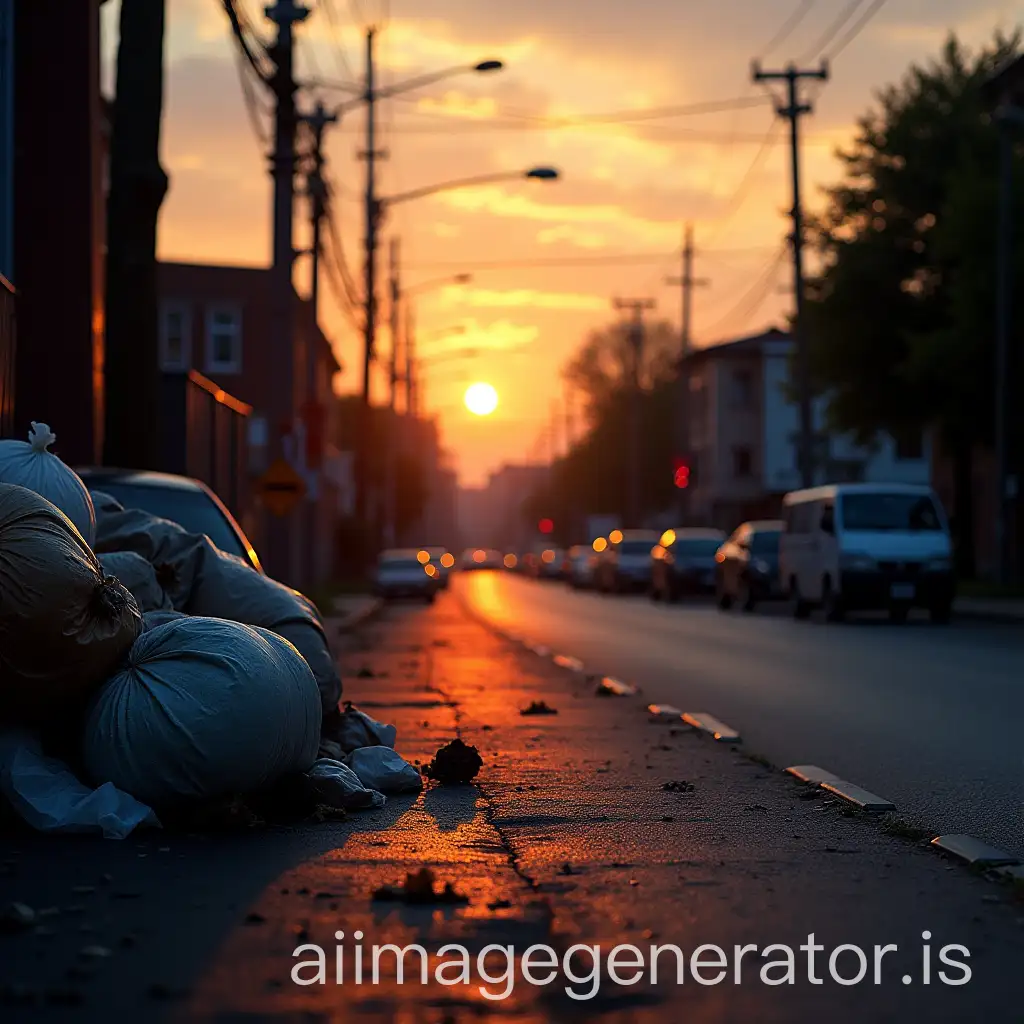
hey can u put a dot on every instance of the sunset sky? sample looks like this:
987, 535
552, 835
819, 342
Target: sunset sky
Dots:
547, 258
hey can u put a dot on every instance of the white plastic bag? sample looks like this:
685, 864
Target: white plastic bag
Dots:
203, 708
29, 464
135, 573
357, 729
336, 785
384, 770
47, 796
64, 628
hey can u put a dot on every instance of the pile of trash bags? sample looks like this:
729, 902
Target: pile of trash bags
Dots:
143, 669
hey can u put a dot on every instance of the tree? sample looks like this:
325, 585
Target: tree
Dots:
592, 477
900, 315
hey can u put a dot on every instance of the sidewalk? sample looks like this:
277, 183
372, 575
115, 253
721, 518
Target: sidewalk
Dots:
569, 837
998, 608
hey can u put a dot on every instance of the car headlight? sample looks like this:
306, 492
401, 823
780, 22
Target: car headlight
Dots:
857, 562
938, 565
762, 567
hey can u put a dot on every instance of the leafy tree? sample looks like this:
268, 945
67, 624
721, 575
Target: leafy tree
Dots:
900, 316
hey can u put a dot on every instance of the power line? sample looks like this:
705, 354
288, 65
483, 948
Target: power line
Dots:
612, 259
788, 27
248, 41
754, 297
252, 107
742, 190
832, 31
334, 25
855, 29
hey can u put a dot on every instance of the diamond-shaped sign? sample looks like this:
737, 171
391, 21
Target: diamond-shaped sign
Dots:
281, 488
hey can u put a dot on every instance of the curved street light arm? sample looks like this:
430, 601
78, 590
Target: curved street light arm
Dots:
447, 186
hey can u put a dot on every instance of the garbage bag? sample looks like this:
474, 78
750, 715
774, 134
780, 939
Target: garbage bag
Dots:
134, 572
336, 785
204, 708
153, 619
46, 794
174, 553
228, 588
64, 627
29, 464
384, 770
357, 729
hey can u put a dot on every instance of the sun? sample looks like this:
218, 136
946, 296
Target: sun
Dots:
481, 399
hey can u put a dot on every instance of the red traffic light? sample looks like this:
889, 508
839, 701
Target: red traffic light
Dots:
682, 477
546, 526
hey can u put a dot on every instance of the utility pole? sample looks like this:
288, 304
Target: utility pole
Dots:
635, 329
282, 539
792, 111
393, 434
365, 442
317, 191
411, 396
687, 282
138, 185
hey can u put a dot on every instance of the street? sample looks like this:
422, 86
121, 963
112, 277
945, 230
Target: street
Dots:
927, 717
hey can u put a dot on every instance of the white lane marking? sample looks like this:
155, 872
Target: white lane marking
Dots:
975, 851
708, 723
811, 773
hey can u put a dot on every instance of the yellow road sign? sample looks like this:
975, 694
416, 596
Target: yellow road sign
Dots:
281, 488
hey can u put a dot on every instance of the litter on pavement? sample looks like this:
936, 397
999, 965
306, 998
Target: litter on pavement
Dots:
147, 677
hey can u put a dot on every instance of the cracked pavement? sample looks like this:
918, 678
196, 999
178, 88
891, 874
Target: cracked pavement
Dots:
568, 836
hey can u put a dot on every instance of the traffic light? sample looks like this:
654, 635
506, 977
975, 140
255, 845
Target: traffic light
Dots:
546, 526
681, 475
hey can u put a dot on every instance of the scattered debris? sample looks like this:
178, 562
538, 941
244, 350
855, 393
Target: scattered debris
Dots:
255, 918
499, 905
757, 807
667, 817
568, 869
442, 643
17, 917
419, 888
678, 786
365, 673
454, 764
539, 707
609, 687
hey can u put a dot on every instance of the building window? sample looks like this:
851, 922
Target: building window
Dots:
175, 337
742, 463
909, 445
223, 339
742, 389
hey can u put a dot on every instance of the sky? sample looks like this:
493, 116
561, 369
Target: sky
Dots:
547, 258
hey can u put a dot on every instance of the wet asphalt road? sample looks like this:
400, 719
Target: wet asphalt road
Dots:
931, 718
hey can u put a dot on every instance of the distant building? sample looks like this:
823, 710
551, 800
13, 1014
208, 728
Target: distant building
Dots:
744, 433
216, 319
493, 515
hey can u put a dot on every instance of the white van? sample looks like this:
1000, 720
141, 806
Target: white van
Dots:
852, 547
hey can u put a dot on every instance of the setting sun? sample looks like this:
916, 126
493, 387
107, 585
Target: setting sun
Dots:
481, 399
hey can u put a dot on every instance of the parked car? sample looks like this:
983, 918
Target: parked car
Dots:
582, 560
443, 561
625, 564
748, 565
550, 564
481, 558
400, 573
183, 500
867, 546
683, 562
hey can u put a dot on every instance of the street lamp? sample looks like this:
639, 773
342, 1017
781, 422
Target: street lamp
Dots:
533, 173
359, 90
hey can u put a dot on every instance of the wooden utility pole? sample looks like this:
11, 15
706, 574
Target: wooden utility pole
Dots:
687, 282
792, 110
138, 185
636, 331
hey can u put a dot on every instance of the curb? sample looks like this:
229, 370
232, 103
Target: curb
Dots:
812, 775
987, 615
